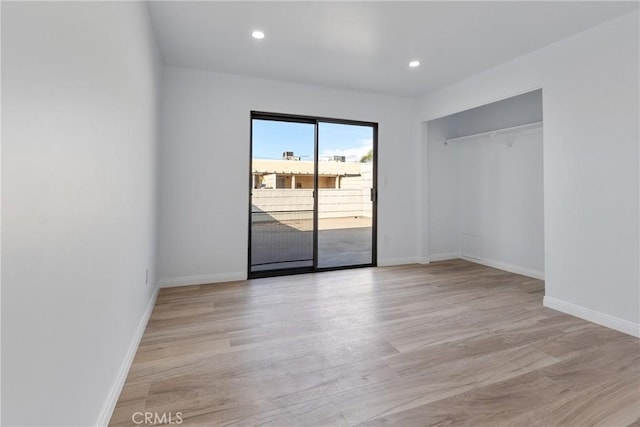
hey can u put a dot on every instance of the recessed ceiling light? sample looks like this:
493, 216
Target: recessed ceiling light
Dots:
257, 34
414, 64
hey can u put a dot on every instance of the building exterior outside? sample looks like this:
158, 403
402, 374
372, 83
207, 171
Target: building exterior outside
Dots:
281, 186
298, 174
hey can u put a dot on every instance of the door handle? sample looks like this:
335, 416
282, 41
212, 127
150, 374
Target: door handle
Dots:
374, 195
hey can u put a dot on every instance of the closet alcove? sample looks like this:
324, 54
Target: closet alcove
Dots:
485, 197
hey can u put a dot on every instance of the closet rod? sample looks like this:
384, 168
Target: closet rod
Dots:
493, 133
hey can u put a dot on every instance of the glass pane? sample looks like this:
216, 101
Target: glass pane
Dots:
345, 180
282, 168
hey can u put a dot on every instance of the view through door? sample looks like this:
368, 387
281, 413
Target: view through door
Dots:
312, 194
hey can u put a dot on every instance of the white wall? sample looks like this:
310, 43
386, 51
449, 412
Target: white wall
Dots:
204, 174
522, 75
80, 87
591, 174
591, 159
442, 209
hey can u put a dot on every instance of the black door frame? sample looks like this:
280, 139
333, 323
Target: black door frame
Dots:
294, 118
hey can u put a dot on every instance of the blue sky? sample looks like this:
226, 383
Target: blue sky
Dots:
271, 138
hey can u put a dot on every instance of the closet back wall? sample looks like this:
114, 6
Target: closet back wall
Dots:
502, 201
486, 193
204, 168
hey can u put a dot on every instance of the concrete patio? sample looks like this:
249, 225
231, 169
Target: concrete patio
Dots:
289, 244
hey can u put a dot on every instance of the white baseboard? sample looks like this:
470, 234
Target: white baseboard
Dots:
511, 268
112, 399
202, 280
603, 319
443, 257
398, 261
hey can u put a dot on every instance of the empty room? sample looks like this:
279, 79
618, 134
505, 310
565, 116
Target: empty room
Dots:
310, 213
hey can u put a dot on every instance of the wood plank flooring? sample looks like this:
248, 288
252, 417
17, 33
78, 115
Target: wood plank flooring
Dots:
451, 343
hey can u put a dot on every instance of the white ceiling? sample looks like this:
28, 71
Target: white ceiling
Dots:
366, 45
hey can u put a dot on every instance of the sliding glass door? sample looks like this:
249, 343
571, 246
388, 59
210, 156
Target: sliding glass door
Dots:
282, 195
312, 194
345, 195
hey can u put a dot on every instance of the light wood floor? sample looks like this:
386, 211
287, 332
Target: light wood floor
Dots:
451, 343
